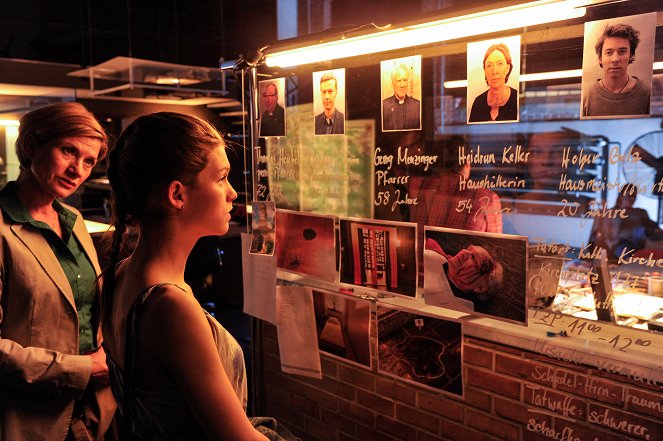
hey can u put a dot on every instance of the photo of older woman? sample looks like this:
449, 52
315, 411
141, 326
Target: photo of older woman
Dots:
476, 272
500, 71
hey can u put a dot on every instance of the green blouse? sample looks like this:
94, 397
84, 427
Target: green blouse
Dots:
69, 252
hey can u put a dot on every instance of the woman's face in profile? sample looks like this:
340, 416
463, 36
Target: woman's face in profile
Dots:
496, 69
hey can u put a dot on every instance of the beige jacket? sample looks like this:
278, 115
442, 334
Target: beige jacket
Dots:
41, 373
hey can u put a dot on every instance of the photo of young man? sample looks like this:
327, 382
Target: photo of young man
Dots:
329, 99
617, 67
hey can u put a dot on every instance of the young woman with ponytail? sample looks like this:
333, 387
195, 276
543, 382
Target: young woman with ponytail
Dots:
175, 372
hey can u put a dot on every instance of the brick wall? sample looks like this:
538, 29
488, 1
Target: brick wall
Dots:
510, 394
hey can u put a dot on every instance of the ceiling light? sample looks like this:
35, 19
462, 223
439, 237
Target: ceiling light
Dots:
554, 75
502, 19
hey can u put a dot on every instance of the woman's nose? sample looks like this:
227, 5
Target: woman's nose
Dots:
76, 167
232, 194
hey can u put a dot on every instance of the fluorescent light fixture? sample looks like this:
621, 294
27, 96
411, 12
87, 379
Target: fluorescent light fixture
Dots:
525, 77
502, 19
573, 73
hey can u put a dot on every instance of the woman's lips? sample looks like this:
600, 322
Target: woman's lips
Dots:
67, 182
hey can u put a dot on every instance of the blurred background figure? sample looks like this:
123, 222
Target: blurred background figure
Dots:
633, 230
442, 203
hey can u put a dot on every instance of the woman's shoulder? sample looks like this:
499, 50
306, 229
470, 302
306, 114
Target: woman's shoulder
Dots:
167, 303
514, 94
165, 295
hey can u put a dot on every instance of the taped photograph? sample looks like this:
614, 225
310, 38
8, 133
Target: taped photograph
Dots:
493, 76
344, 326
329, 102
380, 255
421, 349
262, 227
401, 93
478, 273
305, 244
272, 107
617, 67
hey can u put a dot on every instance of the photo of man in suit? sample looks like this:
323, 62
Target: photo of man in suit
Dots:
272, 116
401, 111
331, 121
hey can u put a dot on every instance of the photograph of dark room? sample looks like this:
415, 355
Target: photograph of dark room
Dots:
305, 244
344, 325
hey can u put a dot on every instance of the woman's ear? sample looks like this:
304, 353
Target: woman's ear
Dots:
176, 195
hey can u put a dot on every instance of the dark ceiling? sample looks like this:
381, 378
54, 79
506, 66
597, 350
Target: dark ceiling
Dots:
191, 32
88, 32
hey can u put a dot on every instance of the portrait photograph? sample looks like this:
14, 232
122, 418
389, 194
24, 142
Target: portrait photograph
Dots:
379, 255
262, 227
305, 244
477, 273
421, 349
617, 67
401, 93
329, 102
271, 107
343, 324
493, 77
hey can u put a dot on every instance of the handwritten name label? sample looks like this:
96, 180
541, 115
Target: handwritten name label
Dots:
581, 158
514, 155
396, 198
403, 157
614, 157
474, 157
510, 155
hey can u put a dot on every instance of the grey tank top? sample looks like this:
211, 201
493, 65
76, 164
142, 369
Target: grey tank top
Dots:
164, 415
